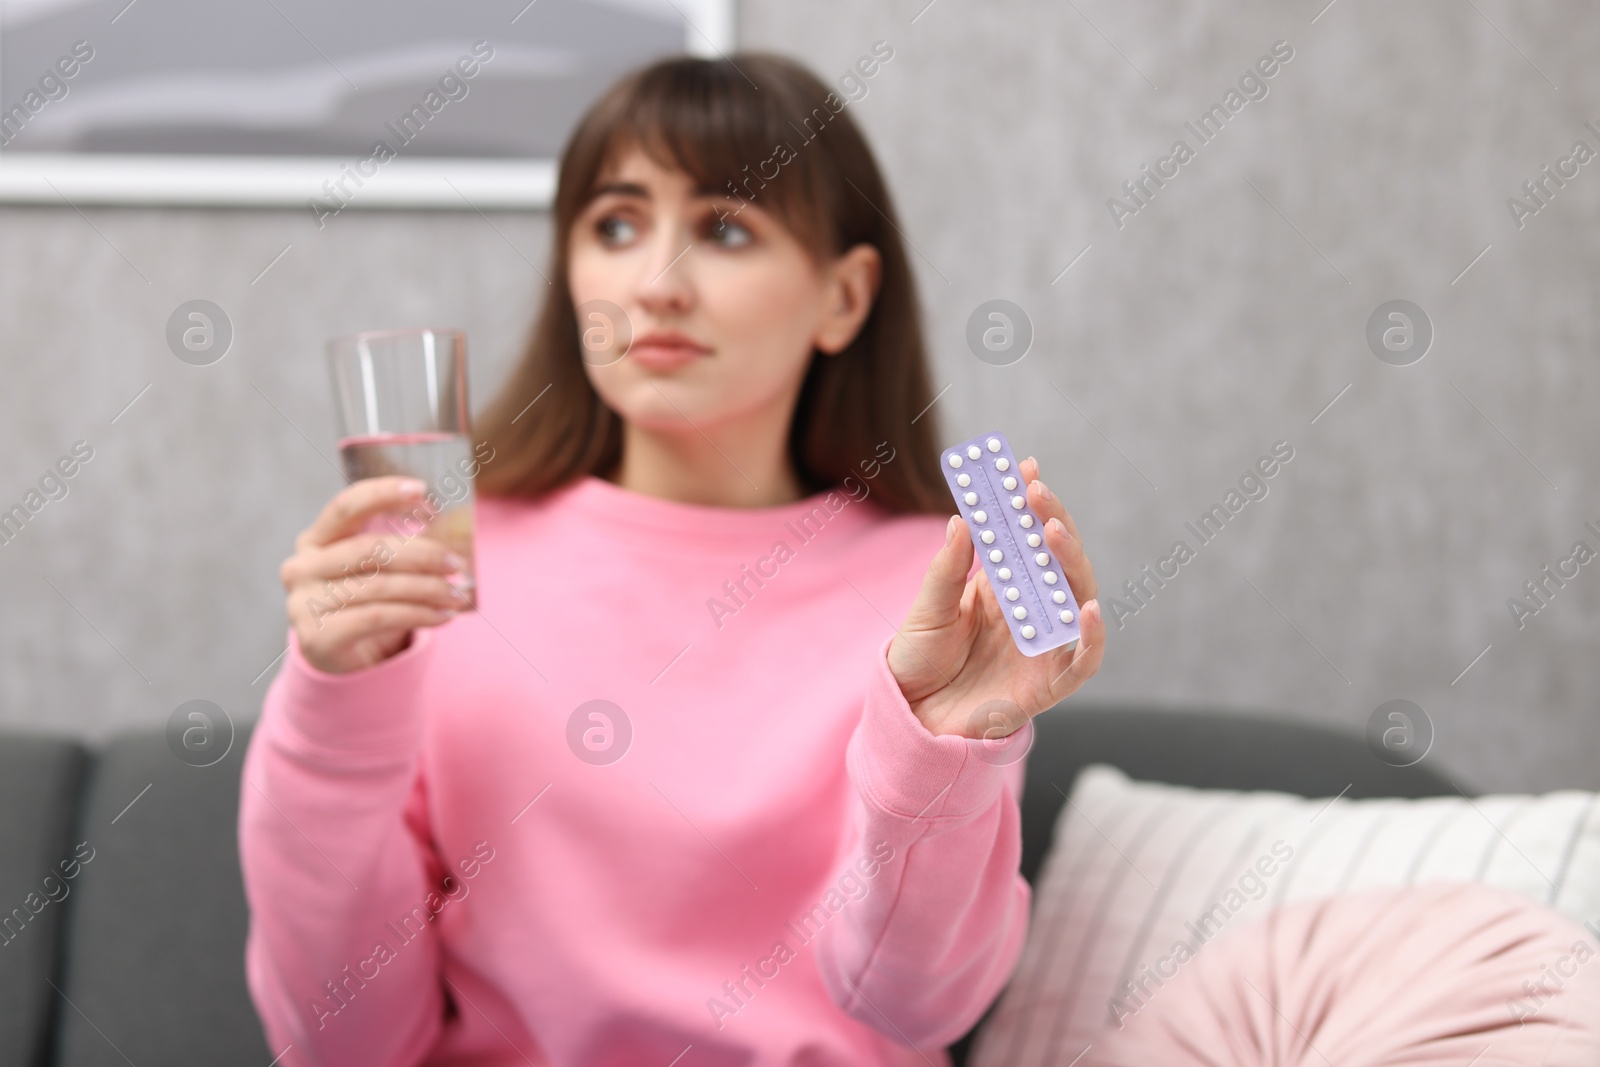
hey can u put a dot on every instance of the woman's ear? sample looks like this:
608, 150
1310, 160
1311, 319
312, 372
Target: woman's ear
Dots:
850, 287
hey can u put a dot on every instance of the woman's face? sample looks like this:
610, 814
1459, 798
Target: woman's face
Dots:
724, 304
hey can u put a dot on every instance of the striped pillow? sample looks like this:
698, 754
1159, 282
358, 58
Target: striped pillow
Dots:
1141, 876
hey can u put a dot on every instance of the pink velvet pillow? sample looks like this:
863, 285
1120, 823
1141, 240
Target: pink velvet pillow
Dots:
1441, 974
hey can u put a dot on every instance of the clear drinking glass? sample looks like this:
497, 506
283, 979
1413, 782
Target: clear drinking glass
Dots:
402, 404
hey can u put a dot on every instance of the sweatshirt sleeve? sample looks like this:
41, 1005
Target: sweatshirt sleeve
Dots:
922, 955
335, 853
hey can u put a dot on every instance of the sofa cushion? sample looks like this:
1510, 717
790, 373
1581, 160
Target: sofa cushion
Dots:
153, 963
1142, 877
1438, 975
40, 778
1204, 749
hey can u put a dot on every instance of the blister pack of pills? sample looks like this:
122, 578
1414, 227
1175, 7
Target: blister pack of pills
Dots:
1027, 579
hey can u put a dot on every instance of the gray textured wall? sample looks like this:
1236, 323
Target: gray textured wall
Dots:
1224, 316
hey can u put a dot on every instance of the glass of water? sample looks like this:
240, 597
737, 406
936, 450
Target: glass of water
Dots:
402, 408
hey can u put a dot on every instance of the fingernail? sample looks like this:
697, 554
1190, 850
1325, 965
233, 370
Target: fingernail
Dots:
950, 531
413, 487
1044, 491
455, 562
1058, 527
457, 594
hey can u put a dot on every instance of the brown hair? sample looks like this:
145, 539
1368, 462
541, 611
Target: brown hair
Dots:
707, 119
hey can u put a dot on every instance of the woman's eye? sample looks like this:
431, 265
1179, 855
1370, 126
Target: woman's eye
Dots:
728, 234
615, 231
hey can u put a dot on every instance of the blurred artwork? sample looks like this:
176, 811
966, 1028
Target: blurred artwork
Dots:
298, 78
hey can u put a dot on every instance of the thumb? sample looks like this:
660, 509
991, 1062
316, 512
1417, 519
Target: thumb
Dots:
938, 602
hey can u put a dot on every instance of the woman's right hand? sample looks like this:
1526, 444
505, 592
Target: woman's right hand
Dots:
354, 597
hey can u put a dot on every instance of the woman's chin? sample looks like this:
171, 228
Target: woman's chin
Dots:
663, 404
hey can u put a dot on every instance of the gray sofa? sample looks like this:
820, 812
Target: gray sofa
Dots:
141, 960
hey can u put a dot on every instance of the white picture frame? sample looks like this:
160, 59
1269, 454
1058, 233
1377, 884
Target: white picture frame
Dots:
289, 179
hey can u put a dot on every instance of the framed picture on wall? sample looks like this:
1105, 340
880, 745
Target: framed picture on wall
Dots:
348, 103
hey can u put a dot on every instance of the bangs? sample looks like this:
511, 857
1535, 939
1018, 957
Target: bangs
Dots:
705, 120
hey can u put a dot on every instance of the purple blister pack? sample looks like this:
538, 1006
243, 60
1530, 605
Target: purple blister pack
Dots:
1027, 579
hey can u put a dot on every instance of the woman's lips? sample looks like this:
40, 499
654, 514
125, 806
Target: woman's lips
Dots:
663, 351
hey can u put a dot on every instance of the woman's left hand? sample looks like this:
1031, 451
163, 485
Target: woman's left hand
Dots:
954, 656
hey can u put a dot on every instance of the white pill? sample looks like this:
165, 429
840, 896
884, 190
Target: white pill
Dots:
1026, 521
1012, 594
1028, 632
971, 499
973, 452
1005, 574
1042, 558
1049, 577
1066, 616
980, 517
1009, 482
955, 460
1059, 596
1002, 464
1019, 502
987, 537
1019, 612
996, 556
994, 444
963, 480
1033, 540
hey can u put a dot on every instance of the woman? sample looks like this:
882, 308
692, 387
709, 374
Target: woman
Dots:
680, 791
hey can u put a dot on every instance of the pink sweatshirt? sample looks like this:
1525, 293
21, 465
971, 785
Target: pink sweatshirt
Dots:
753, 854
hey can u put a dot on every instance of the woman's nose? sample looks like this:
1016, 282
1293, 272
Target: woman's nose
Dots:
665, 280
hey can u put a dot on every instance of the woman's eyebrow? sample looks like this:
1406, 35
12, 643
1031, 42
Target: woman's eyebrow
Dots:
622, 189
721, 196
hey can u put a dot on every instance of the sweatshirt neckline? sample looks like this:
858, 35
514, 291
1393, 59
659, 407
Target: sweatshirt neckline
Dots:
628, 513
